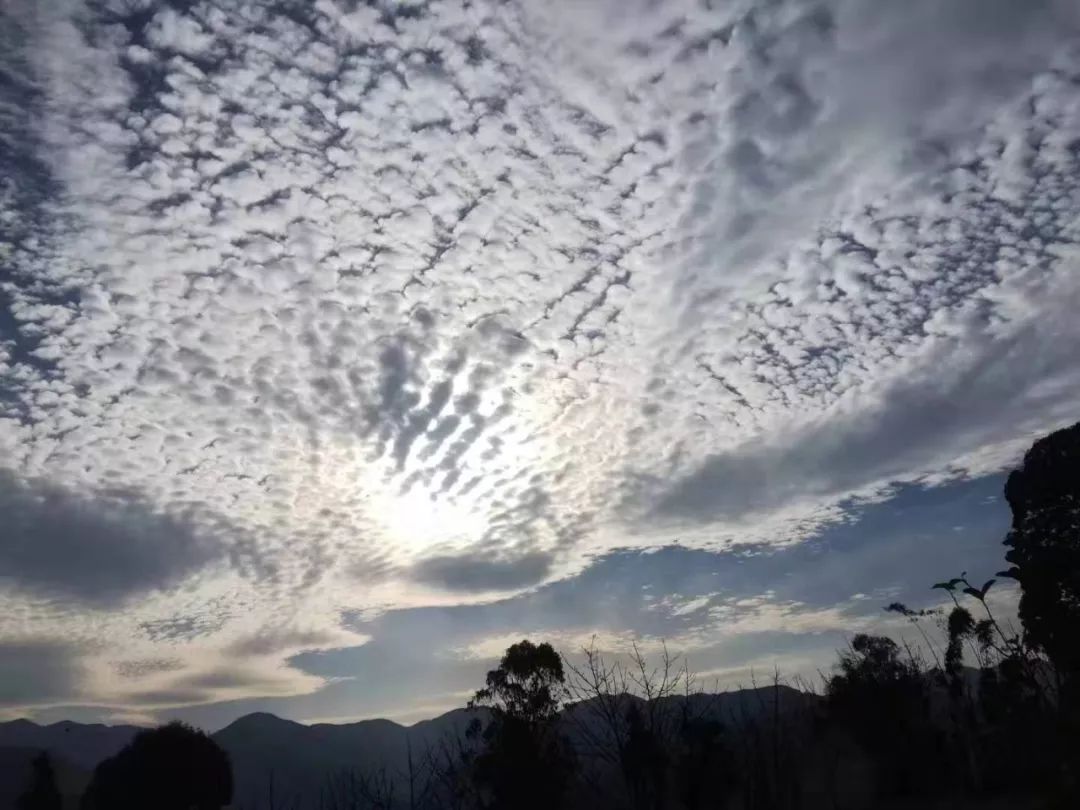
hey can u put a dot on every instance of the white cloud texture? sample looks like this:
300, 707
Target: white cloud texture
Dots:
350, 306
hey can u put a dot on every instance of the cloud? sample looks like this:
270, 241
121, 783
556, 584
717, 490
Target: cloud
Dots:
222, 678
183, 628
921, 424
480, 572
39, 671
730, 612
271, 640
140, 668
356, 310
169, 697
100, 550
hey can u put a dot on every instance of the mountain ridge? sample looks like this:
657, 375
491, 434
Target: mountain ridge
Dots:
303, 757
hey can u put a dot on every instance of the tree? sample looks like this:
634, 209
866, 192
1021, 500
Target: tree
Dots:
525, 764
174, 767
42, 793
639, 720
527, 686
1044, 545
704, 764
1044, 549
883, 698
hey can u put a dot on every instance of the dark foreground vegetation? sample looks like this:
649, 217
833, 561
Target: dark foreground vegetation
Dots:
979, 714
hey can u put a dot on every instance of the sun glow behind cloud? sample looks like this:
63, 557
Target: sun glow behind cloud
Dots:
419, 520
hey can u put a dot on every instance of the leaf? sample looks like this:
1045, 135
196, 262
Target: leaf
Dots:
1012, 573
986, 587
973, 592
948, 586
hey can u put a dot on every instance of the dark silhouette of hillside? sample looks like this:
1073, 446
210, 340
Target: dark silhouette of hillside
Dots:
83, 745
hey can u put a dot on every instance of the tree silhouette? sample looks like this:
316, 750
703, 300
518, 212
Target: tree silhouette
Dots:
174, 767
646, 759
1044, 549
704, 765
528, 684
525, 764
42, 793
882, 698
1044, 545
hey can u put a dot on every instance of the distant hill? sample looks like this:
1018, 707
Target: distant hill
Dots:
83, 745
295, 761
299, 759
75, 748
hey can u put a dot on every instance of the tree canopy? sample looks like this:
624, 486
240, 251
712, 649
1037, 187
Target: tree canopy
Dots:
174, 767
1044, 545
526, 685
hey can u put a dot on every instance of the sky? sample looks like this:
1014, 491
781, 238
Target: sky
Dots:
343, 344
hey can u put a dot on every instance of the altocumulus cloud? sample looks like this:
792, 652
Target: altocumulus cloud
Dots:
315, 309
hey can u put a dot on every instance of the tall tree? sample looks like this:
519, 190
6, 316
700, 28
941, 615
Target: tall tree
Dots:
1044, 545
41, 793
527, 685
525, 764
174, 767
1044, 549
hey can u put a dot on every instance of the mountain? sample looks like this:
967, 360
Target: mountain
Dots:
269, 754
296, 761
83, 745
75, 749
278, 762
